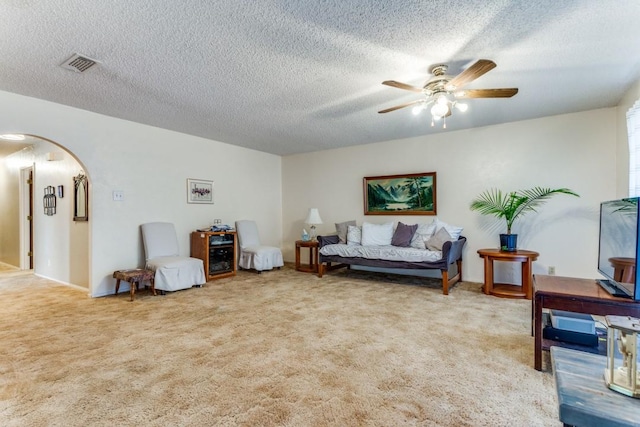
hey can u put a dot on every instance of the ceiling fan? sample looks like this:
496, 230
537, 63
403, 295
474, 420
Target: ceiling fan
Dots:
442, 91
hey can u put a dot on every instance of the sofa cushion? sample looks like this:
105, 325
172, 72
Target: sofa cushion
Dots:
422, 234
453, 230
388, 253
377, 234
437, 240
341, 229
354, 235
403, 235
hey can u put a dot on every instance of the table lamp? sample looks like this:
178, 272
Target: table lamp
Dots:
622, 375
313, 218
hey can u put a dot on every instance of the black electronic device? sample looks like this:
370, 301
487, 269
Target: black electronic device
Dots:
551, 333
618, 247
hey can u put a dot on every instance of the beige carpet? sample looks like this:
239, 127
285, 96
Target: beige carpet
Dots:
281, 348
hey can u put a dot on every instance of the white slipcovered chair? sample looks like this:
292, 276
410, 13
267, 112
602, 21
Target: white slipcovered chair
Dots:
254, 256
172, 271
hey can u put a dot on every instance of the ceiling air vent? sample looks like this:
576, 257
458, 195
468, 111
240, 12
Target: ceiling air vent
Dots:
78, 63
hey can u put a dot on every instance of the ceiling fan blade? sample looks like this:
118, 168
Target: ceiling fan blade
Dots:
488, 93
476, 70
404, 86
397, 107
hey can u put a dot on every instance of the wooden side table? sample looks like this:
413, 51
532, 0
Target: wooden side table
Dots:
624, 269
506, 290
134, 277
313, 246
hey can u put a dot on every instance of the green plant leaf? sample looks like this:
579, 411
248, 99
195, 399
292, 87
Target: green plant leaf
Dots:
511, 206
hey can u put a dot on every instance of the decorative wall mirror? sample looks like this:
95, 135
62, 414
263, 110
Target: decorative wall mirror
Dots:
80, 198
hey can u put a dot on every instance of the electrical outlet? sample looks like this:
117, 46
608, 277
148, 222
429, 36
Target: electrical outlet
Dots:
118, 196
552, 270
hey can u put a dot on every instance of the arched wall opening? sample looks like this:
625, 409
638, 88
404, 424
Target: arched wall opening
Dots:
61, 245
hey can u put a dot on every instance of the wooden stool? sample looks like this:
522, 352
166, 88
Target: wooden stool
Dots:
134, 277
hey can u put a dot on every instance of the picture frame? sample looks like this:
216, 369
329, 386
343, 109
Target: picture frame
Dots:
199, 191
405, 194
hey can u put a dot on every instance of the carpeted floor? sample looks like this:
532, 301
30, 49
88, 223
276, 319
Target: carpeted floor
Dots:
281, 348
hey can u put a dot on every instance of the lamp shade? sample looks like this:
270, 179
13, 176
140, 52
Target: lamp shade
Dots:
313, 217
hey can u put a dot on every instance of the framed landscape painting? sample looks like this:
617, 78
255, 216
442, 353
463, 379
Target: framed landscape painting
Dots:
199, 191
412, 194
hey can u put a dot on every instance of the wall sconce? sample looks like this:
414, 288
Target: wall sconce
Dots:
622, 374
49, 201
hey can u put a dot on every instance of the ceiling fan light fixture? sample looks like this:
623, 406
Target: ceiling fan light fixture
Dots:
461, 106
419, 108
441, 91
442, 100
439, 110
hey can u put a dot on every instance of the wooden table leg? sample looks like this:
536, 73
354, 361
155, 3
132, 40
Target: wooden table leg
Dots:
314, 263
527, 278
488, 275
537, 333
117, 286
297, 257
134, 285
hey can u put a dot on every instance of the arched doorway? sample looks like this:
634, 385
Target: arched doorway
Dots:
60, 244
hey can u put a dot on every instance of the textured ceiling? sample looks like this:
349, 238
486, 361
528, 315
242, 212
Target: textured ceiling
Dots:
295, 76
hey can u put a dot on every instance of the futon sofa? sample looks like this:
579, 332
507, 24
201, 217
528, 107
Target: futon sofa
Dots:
428, 248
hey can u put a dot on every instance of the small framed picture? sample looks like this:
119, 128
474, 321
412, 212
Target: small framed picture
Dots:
60, 191
199, 191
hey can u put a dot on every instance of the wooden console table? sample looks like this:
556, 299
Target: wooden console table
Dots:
504, 289
583, 398
576, 295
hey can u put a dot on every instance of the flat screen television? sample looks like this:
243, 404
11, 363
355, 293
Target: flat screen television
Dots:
618, 247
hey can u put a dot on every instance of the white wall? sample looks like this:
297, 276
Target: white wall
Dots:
574, 150
151, 166
631, 96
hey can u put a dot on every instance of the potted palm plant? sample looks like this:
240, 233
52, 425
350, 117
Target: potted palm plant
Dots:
512, 205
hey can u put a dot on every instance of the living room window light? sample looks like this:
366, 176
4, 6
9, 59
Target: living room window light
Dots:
633, 130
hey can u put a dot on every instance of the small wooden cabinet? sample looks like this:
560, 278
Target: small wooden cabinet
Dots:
217, 249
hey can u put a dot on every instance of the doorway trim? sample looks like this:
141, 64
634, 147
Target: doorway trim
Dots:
25, 191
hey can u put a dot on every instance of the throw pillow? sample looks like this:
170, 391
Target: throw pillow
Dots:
377, 234
435, 243
403, 234
422, 234
341, 229
354, 235
453, 231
